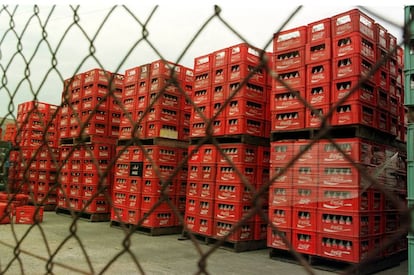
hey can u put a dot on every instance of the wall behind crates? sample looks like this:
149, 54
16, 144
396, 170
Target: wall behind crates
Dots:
32, 83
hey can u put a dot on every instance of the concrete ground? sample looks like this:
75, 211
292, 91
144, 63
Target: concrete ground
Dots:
156, 255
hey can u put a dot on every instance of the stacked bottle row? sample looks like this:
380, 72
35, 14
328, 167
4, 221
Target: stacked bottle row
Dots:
217, 198
154, 101
143, 174
220, 75
322, 63
33, 165
325, 206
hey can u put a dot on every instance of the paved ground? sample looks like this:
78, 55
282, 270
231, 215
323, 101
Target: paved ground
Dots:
156, 255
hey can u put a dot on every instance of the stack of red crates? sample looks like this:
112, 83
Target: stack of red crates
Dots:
10, 133
89, 127
320, 204
33, 166
216, 196
155, 111
151, 85
217, 76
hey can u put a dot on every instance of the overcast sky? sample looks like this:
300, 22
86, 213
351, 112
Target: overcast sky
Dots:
171, 28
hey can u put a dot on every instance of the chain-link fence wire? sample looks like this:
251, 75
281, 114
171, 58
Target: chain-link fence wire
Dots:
259, 194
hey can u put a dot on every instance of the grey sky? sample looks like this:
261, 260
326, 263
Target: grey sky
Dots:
170, 30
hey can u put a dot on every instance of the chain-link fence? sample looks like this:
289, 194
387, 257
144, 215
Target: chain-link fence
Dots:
29, 83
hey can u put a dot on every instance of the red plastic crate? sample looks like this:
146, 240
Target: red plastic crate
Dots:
245, 107
227, 173
281, 152
191, 207
164, 69
274, 239
365, 93
133, 200
281, 216
354, 112
162, 129
231, 211
305, 196
159, 219
280, 196
313, 119
220, 75
232, 192
202, 80
220, 58
353, 21
191, 223
162, 154
204, 226
343, 199
131, 216
318, 73
304, 174
263, 154
304, 219
349, 224
204, 172
304, 241
202, 96
382, 78
381, 37
206, 153
351, 65
165, 170
28, 214
135, 74
75, 203
289, 59
383, 99
294, 78
162, 114
284, 179
342, 248
257, 92
284, 99
238, 153
120, 183
318, 51
310, 156
288, 119
203, 63
151, 186
222, 228
393, 105
354, 43
95, 191
244, 125
204, 207
148, 201
243, 53
289, 39
342, 175
118, 214
238, 71
97, 205
319, 30
358, 149
168, 100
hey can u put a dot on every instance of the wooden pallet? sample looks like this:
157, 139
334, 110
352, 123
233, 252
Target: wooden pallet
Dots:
87, 139
337, 131
91, 217
154, 141
331, 265
245, 139
235, 246
46, 207
150, 231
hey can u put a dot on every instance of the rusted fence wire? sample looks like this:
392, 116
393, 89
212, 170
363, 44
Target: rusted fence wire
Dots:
12, 86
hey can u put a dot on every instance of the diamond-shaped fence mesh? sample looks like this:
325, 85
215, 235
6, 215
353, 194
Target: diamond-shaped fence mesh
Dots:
45, 39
